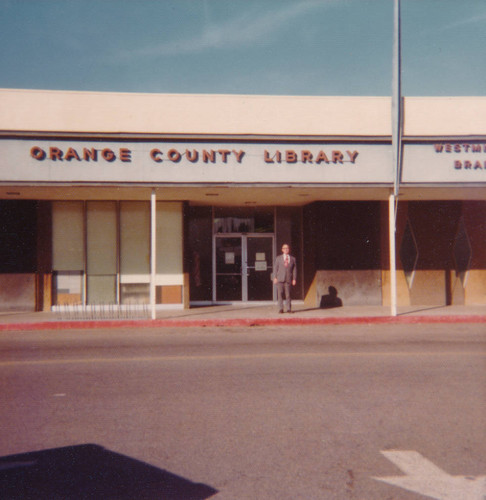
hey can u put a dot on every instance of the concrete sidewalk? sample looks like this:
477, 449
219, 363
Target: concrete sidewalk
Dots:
242, 315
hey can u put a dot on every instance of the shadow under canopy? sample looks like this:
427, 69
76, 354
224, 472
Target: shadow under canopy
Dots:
91, 472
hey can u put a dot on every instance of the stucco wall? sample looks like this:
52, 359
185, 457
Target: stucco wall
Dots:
349, 288
445, 116
108, 112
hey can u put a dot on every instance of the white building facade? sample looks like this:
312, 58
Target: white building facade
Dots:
174, 200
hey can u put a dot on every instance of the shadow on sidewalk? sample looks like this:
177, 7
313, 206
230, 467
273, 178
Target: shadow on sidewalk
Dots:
91, 472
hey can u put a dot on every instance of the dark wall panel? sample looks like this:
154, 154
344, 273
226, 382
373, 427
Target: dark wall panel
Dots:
18, 236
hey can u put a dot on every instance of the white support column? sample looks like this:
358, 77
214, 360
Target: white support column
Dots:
393, 267
153, 250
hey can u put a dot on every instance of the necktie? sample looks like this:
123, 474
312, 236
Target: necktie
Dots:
286, 263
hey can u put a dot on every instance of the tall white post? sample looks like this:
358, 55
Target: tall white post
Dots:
397, 152
153, 250
393, 266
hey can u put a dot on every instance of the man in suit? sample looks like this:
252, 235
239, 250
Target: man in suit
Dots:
285, 275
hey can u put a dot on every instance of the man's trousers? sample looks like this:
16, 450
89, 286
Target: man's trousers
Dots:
284, 289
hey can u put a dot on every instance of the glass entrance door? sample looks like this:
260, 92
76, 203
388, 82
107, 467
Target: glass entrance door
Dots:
243, 268
228, 268
259, 258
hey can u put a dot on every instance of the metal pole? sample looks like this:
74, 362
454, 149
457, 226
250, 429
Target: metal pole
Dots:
397, 100
396, 147
153, 251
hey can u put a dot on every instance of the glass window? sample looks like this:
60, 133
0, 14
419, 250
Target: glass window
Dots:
135, 241
243, 220
67, 236
102, 252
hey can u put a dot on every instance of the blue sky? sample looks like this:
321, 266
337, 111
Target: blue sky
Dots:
281, 47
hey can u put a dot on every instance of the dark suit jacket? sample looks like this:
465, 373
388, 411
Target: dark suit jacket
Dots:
285, 274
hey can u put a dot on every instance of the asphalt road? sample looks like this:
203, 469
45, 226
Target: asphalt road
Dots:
233, 413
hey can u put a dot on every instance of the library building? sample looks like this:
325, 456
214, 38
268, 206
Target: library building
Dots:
178, 200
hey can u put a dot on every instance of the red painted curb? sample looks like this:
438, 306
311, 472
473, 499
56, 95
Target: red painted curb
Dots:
245, 322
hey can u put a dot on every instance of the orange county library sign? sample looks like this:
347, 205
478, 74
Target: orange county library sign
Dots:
79, 161
194, 162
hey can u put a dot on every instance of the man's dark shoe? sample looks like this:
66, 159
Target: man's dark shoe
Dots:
280, 312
